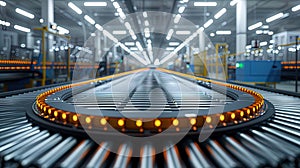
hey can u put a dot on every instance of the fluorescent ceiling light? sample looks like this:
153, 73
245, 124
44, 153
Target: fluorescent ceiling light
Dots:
119, 32
116, 5
21, 28
138, 44
212, 34
122, 15
4, 23
205, 3
89, 19
133, 37
223, 32
99, 27
177, 18
133, 48
275, 17
147, 32
208, 23
147, 23
129, 43
2, 3
170, 48
75, 8
255, 26
185, 1
95, 4
272, 41
181, 9
270, 33
24, 13
145, 14
296, 8
263, 43
220, 13
233, 2
259, 32
183, 32
248, 47
265, 27
174, 43
170, 33
127, 25
62, 30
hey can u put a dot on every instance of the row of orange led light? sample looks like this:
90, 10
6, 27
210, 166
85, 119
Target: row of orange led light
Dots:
15, 68
291, 67
65, 67
47, 63
226, 118
15, 62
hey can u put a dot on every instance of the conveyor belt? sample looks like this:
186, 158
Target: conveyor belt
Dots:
28, 139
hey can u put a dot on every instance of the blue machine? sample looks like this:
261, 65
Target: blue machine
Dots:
258, 71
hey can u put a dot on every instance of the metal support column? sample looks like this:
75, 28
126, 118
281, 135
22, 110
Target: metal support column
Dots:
241, 28
296, 87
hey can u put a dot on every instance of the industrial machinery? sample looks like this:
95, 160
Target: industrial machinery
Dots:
56, 126
258, 71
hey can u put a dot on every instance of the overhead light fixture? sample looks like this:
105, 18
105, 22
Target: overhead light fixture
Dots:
265, 27
145, 14
270, 33
177, 18
116, 5
2, 3
75, 8
127, 25
212, 35
62, 30
41, 20
174, 44
233, 2
170, 48
122, 15
133, 49
99, 27
133, 37
147, 32
139, 46
129, 43
24, 13
4, 23
255, 26
259, 32
185, 1
156, 62
223, 32
147, 23
119, 32
220, 13
205, 3
170, 33
275, 17
272, 41
296, 8
263, 43
21, 28
89, 19
95, 3
208, 23
181, 9
183, 32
